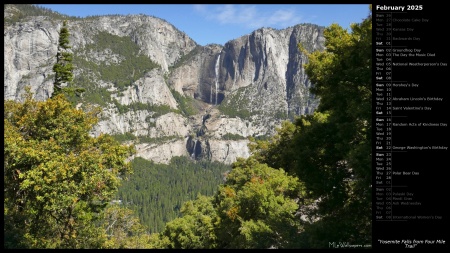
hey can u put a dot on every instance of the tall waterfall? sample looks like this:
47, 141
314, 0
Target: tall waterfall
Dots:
210, 94
217, 76
193, 150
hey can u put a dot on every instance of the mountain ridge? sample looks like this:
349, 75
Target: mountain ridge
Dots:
163, 91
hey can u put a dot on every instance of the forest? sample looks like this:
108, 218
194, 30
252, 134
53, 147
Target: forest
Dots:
156, 192
306, 186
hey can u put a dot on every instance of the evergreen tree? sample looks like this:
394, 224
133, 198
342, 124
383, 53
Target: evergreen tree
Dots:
63, 67
331, 150
255, 208
335, 146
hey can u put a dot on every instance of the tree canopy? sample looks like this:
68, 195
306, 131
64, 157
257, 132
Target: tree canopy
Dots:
57, 178
255, 208
330, 150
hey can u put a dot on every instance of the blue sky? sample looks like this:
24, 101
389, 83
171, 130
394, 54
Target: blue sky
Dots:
219, 23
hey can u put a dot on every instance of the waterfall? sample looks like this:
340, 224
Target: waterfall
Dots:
193, 150
210, 95
217, 75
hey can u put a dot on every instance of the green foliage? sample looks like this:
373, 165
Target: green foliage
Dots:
260, 138
99, 96
121, 138
277, 151
156, 191
124, 137
331, 150
136, 106
93, 94
27, 10
63, 67
234, 137
195, 229
57, 178
158, 140
133, 66
342, 78
281, 115
255, 208
186, 104
235, 104
122, 74
123, 229
183, 59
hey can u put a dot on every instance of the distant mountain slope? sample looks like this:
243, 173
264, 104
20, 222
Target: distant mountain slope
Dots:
158, 88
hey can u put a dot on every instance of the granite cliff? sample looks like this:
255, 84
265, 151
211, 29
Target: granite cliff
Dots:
161, 90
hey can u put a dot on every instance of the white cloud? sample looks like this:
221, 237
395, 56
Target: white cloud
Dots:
248, 16
225, 14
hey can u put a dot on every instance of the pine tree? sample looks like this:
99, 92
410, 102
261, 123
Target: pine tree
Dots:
63, 67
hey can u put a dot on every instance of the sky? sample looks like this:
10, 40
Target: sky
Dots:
219, 23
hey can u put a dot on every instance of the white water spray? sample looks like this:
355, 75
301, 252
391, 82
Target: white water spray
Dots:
210, 95
217, 76
193, 150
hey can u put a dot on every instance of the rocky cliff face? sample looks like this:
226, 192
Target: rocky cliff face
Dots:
31, 45
162, 91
